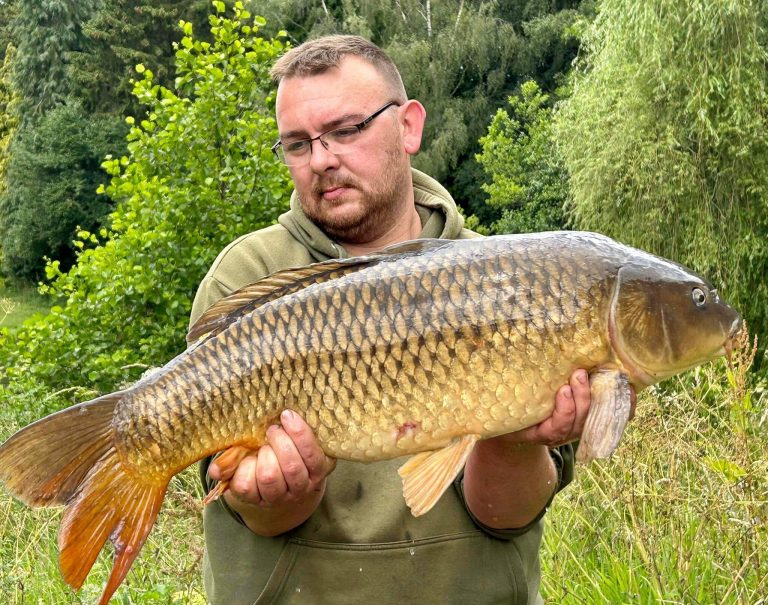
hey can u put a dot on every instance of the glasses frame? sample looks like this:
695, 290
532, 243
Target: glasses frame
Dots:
360, 127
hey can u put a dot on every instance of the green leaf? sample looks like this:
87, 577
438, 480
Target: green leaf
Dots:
730, 470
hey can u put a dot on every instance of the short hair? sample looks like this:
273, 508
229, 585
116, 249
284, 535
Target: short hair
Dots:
318, 56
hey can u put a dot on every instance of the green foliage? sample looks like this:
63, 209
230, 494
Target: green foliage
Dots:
528, 182
45, 31
8, 117
199, 173
51, 179
664, 138
8, 12
122, 34
461, 59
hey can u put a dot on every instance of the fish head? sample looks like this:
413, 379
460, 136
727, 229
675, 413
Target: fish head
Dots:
666, 319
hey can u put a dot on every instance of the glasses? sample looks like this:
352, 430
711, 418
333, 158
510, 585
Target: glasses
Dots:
337, 141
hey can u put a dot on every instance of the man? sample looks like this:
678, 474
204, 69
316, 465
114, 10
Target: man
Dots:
291, 528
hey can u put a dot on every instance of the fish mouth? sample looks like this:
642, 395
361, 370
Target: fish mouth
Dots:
734, 338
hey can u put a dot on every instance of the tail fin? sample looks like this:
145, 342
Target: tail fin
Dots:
45, 462
69, 458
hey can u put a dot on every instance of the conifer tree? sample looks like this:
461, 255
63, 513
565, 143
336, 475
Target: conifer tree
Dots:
122, 34
52, 176
45, 31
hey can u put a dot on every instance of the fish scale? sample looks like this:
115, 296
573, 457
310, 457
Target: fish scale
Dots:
421, 349
381, 371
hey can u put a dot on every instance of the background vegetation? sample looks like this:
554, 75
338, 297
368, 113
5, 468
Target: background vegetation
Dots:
135, 146
199, 172
664, 138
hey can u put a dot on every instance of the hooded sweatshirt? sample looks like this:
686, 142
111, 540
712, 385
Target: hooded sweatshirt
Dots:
361, 544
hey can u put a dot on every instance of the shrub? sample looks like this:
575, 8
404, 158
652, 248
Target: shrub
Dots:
199, 173
528, 181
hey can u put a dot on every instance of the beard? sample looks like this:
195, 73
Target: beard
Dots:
378, 205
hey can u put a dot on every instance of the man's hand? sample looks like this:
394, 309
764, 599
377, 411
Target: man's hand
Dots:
280, 486
510, 478
567, 420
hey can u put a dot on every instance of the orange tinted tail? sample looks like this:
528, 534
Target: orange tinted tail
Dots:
69, 458
111, 503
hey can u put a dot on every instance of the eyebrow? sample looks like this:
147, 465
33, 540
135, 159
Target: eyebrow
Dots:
347, 118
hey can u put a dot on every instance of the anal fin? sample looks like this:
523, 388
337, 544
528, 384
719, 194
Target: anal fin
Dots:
609, 413
228, 462
428, 474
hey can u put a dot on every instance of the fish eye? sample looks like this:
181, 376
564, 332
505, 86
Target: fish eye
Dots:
699, 297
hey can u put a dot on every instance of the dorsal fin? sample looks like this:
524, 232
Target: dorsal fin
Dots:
281, 283
414, 247
241, 302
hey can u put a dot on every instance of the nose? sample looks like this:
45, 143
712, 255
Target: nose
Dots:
321, 160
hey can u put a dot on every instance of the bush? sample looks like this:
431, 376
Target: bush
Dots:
528, 181
199, 173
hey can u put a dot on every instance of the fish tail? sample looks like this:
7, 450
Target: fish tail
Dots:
111, 503
69, 458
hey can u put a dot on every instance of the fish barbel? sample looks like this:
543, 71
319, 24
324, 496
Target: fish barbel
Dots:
421, 349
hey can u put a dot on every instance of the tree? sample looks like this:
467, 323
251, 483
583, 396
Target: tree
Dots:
52, 176
199, 172
665, 141
461, 59
528, 181
122, 34
45, 31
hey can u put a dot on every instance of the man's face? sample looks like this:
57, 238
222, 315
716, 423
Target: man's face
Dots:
356, 196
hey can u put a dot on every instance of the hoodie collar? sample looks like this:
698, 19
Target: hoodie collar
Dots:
439, 216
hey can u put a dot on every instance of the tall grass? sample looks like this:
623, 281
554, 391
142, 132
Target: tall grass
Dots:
680, 513
17, 303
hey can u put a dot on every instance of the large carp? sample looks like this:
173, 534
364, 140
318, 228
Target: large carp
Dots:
421, 349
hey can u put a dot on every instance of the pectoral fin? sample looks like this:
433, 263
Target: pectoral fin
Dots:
427, 475
609, 413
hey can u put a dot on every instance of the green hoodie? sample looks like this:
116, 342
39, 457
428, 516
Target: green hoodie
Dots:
361, 544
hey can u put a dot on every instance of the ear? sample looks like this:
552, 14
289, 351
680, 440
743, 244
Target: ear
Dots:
412, 117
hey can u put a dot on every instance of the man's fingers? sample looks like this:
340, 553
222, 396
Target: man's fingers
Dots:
269, 476
292, 466
243, 483
287, 467
582, 397
318, 465
559, 428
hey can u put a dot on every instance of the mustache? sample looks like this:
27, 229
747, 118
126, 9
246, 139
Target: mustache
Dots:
323, 184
